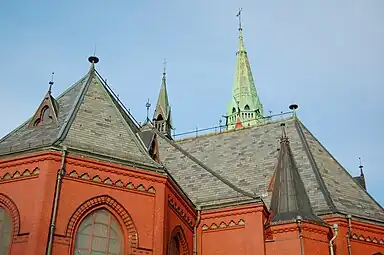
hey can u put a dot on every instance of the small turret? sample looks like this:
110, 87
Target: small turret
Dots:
162, 117
361, 179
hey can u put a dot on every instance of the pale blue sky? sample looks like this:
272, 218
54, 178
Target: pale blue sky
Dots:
325, 55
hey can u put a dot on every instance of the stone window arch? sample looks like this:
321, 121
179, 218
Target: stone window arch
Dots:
9, 223
99, 233
111, 206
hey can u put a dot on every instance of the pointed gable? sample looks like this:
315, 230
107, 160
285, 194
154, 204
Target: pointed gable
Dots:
289, 197
46, 113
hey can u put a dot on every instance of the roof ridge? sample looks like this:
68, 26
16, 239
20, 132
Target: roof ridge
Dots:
315, 169
341, 167
186, 139
206, 168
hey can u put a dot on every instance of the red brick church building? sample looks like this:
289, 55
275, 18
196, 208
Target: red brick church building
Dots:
81, 176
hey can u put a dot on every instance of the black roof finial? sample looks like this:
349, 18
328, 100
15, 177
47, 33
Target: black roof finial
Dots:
361, 168
51, 82
293, 108
93, 60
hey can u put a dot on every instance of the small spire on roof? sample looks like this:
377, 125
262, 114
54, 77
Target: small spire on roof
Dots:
51, 82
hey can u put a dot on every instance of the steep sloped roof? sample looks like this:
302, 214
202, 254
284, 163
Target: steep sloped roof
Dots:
247, 158
90, 120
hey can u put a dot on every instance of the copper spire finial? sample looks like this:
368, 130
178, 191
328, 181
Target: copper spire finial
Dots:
238, 15
164, 66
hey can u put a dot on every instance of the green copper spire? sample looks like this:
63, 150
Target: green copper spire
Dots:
162, 116
245, 108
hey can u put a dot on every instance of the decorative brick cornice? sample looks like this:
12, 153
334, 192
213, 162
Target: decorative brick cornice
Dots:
233, 211
11, 208
369, 239
18, 176
179, 233
97, 202
182, 198
110, 182
29, 159
115, 169
223, 225
180, 211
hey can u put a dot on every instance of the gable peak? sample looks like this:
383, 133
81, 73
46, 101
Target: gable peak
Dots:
46, 113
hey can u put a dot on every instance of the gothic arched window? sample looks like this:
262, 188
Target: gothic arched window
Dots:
45, 116
99, 233
246, 107
5, 231
174, 248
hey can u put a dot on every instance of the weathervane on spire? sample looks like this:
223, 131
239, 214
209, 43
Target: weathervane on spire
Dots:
238, 15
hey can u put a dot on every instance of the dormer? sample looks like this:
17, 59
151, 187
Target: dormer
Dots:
47, 111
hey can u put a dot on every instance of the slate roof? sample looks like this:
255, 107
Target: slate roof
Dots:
90, 120
203, 186
247, 159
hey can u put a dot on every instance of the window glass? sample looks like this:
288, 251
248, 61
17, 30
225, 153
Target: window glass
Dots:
99, 234
5, 231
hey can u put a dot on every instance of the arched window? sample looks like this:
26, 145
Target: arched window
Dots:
45, 117
233, 110
5, 231
174, 248
99, 233
45, 113
246, 107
